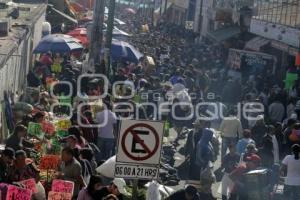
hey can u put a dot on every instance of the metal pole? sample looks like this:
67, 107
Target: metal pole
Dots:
97, 32
200, 17
160, 8
109, 33
153, 12
166, 5
135, 190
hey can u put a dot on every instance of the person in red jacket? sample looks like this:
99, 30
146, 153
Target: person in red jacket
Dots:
251, 162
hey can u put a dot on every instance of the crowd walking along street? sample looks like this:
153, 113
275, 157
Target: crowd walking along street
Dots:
149, 100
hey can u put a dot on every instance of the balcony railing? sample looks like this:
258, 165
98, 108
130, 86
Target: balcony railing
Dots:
283, 12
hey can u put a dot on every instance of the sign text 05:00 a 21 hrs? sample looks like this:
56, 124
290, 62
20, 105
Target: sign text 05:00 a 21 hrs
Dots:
135, 171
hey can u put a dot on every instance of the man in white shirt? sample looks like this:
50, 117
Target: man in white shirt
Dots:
231, 130
106, 136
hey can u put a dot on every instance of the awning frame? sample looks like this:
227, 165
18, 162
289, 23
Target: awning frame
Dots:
63, 15
224, 34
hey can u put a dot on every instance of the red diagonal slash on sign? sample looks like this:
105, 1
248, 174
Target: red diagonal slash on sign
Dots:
140, 141
135, 137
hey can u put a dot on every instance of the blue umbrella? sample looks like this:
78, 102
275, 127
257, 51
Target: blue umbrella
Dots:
58, 43
123, 51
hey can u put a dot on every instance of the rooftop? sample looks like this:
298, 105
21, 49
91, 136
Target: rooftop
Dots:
29, 12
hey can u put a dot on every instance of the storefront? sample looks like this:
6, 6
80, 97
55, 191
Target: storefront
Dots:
245, 64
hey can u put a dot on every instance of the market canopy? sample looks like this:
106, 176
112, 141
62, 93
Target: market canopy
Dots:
255, 44
130, 11
61, 14
224, 34
119, 22
58, 43
82, 35
118, 32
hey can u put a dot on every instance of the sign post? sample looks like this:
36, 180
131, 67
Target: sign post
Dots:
139, 149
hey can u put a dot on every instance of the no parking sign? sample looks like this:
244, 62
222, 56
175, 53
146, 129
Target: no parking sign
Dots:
139, 149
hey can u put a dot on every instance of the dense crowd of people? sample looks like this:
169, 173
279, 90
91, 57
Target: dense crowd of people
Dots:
184, 73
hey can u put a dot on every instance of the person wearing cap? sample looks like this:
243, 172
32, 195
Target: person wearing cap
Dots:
6, 161
117, 187
239, 190
188, 193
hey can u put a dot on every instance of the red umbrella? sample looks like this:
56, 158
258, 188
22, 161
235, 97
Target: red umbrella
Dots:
81, 35
130, 11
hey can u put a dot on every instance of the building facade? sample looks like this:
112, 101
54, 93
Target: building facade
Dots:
172, 11
16, 46
278, 21
221, 19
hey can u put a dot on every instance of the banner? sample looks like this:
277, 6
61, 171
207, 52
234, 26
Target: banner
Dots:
62, 186
17, 193
48, 128
35, 129
30, 184
59, 196
63, 124
290, 80
3, 190
48, 162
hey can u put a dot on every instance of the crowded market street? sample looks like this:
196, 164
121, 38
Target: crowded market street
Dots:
149, 100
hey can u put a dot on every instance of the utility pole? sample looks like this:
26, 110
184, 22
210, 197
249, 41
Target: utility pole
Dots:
152, 11
97, 34
166, 6
160, 8
109, 33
